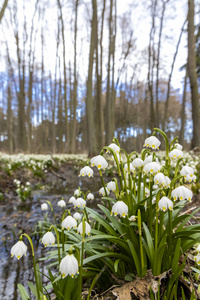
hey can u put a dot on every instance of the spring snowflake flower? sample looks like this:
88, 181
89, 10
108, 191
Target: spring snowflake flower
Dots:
120, 208
161, 180
18, 250
103, 192
178, 146
77, 216
197, 259
69, 266
86, 171
111, 186
152, 142
114, 147
68, 223
44, 206
132, 218
132, 169
61, 203
72, 199
182, 193
152, 168
175, 154
90, 196
77, 192
188, 174
137, 163
165, 203
80, 203
99, 162
48, 239
87, 228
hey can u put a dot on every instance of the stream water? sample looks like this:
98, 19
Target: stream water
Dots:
18, 217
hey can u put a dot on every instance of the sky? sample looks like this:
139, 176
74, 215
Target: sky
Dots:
138, 20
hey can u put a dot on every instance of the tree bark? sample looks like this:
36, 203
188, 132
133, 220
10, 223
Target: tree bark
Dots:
193, 76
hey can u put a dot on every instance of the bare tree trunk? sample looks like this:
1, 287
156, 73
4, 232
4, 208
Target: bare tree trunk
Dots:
193, 76
74, 121
3, 9
10, 122
183, 116
89, 99
170, 77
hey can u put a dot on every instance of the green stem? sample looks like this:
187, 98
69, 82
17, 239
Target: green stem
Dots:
58, 241
52, 211
139, 185
140, 239
150, 204
156, 225
81, 262
34, 264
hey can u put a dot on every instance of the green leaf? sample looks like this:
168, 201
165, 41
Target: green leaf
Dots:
116, 263
23, 293
149, 243
176, 256
135, 258
106, 254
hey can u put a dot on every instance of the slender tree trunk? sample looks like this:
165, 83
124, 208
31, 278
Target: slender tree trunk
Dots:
193, 76
183, 116
10, 121
89, 99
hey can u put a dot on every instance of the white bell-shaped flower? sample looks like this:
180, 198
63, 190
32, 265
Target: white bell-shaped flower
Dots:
86, 171
80, 203
90, 196
190, 178
103, 192
61, 203
18, 250
68, 223
182, 193
131, 167
197, 259
69, 266
165, 203
175, 154
114, 147
137, 163
188, 173
111, 186
161, 180
152, 142
48, 239
99, 162
152, 168
72, 199
132, 218
77, 216
87, 228
44, 206
178, 146
77, 192
120, 208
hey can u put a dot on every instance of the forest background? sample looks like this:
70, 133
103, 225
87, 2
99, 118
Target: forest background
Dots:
76, 73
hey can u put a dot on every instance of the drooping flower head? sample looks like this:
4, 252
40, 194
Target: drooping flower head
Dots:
90, 196
188, 174
137, 163
61, 203
68, 223
44, 206
79, 202
152, 142
99, 162
77, 216
69, 266
111, 186
86, 171
132, 218
114, 147
178, 146
175, 154
87, 228
165, 203
72, 199
77, 192
103, 191
152, 168
197, 259
48, 239
120, 208
149, 159
182, 193
18, 250
161, 180
131, 167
